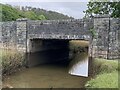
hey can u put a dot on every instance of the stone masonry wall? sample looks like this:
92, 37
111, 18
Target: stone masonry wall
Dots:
17, 34
105, 44
21, 34
63, 29
8, 32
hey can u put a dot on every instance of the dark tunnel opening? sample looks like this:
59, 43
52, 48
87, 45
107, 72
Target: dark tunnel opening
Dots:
48, 51
69, 54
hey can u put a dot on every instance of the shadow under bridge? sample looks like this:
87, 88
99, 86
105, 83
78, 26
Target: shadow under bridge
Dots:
43, 51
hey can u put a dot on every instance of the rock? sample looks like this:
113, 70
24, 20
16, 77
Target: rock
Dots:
7, 86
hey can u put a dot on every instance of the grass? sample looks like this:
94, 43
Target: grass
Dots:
105, 80
77, 49
77, 46
11, 60
106, 74
101, 66
78, 43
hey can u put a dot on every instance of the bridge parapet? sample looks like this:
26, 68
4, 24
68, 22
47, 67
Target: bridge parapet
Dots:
60, 27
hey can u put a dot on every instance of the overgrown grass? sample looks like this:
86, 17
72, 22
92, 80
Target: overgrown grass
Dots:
77, 46
78, 43
101, 66
105, 80
106, 74
11, 60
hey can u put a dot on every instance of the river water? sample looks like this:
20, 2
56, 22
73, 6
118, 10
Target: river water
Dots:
56, 75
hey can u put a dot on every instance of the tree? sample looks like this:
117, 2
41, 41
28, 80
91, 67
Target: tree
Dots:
41, 17
30, 14
97, 8
8, 13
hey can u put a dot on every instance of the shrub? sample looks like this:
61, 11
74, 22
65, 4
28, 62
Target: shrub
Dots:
11, 60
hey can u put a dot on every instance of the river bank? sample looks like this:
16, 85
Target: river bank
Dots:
105, 74
12, 61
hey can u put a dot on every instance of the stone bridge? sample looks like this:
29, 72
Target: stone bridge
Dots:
48, 37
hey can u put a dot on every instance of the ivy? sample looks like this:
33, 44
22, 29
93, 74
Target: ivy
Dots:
93, 32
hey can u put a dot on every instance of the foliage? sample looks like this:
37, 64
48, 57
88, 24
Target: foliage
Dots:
51, 15
96, 7
31, 15
10, 13
41, 17
93, 32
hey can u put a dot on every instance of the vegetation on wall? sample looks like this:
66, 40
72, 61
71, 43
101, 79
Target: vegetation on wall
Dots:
93, 32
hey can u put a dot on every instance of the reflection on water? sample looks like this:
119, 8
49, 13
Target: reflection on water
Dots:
48, 76
79, 66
